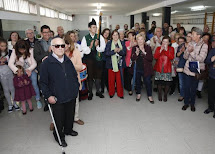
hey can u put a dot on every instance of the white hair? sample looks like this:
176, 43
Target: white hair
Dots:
28, 30
120, 30
52, 41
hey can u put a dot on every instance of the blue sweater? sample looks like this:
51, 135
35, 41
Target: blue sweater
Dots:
210, 63
182, 61
59, 79
109, 53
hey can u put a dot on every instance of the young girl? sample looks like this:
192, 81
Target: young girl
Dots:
23, 89
6, 76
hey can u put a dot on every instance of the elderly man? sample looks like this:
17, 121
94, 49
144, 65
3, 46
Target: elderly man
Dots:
30, 37
156, 39
60, 32
59, 84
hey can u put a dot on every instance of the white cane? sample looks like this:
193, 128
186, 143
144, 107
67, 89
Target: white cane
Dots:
58, 136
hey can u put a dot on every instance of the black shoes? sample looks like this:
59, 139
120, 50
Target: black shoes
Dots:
72, 133
63, 142
46, 108
208, 111
185, 107
90, 96
111, 96
151, 101
193, 109
99, 94
198, 93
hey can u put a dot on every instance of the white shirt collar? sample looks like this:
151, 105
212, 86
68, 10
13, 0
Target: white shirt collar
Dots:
59, 59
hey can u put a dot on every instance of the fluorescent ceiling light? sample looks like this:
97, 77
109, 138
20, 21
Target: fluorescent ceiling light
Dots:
156, 14
198, 8
99, 6
173, 12
98, 12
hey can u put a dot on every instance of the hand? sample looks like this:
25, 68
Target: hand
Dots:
50, 49
190, 48
51, 100
26, 82
116, 50
154, 39
91, 44
44, 58
182, 49
28, 72
213, 59
162, 48
2, 61
96, 43
137, 51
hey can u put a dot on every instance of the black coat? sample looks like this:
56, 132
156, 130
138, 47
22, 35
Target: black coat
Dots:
59, 79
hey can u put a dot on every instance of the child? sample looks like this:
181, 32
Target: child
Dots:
23, 89
6, 77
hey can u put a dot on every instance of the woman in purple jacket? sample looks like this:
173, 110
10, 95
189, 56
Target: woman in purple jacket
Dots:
142, 56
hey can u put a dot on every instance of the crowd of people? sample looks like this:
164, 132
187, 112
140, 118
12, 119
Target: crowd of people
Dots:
119, 60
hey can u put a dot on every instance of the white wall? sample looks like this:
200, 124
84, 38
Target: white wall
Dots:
157, 19
20, 21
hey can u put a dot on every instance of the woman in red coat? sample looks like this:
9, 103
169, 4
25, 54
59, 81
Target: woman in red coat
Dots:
163, 56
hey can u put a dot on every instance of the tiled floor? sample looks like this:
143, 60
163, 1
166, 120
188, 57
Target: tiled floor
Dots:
115, 126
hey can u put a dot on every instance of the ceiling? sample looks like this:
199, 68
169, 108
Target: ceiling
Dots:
184, 7
123, 7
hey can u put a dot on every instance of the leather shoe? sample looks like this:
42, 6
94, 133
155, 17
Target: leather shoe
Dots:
80, 122
185, 107
208, 111
72, 133
180, 99
99, 94
63, 143
90, 96
193, 109
151, 101
214, 115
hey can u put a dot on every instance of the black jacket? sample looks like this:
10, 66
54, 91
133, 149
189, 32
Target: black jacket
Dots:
59, 79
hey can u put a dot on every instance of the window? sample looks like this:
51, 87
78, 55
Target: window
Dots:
55, 14
1, 4
70, 18
42, 11
23, 6
48, 12
33, 8
63, 16
11, 5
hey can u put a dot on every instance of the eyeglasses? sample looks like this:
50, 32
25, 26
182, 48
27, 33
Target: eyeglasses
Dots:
59, 45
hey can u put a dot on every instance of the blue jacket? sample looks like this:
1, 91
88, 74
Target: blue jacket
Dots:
59, 79
210, 63
109, 53
182, 61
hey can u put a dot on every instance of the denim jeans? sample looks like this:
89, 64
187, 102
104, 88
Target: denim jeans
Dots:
181, 83
190, 86
147, 82
33, 78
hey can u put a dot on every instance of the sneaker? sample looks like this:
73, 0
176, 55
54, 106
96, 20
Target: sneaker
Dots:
16, 107
10, 109
39, 105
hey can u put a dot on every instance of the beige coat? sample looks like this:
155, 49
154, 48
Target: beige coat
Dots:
195, 55
76, 60
13, 62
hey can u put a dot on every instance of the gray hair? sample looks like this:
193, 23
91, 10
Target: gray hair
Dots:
28, 30
120, 30
52, 41
197, 30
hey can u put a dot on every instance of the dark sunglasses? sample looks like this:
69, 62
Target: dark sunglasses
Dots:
59, 45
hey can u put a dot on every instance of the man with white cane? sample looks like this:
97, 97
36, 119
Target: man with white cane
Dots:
59, 84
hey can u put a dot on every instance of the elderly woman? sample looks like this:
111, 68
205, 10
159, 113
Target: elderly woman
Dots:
115, 62
142, 56
74, 55
196, 51
104, 81
23, 55
127, 74
163, 70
